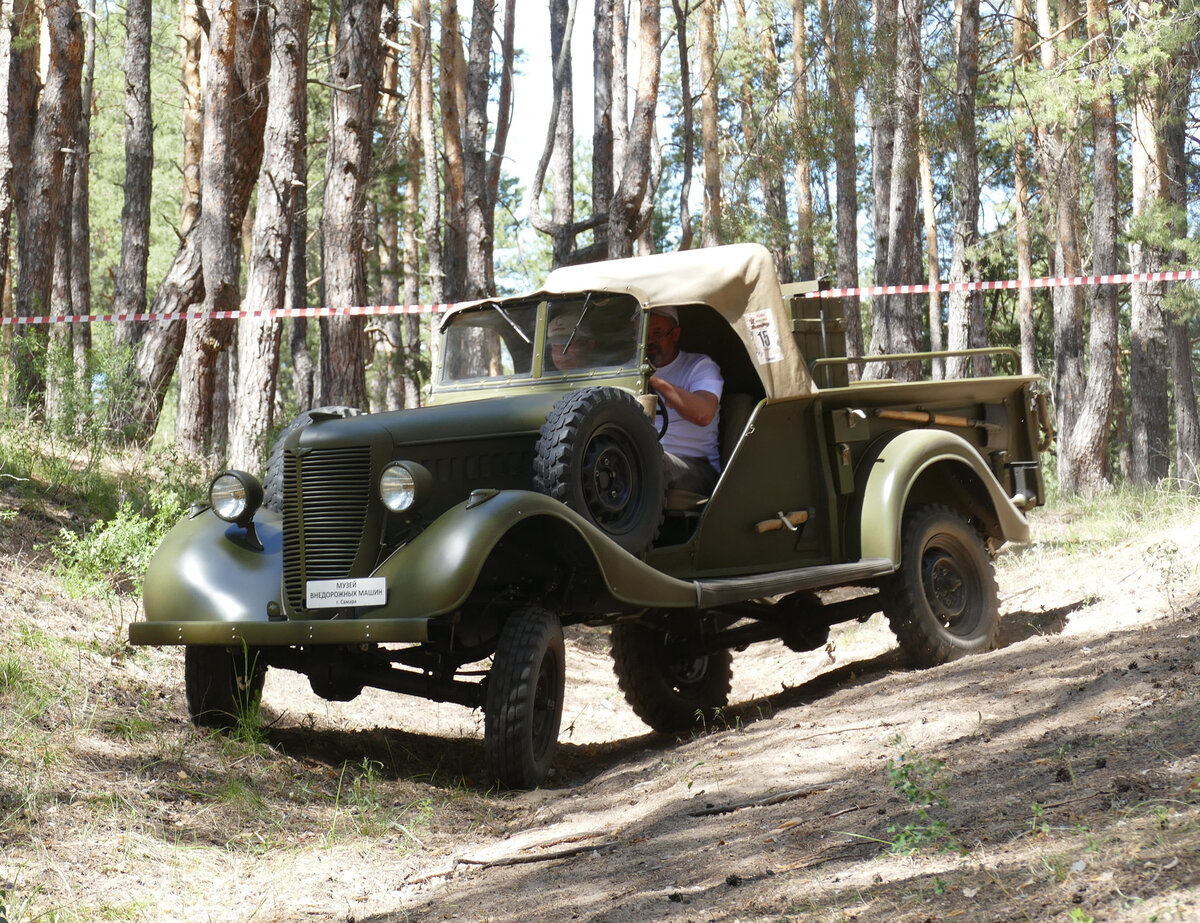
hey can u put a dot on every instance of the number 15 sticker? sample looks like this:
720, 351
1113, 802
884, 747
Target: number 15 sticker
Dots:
765, 337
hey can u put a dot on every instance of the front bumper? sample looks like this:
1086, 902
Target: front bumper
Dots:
276, 634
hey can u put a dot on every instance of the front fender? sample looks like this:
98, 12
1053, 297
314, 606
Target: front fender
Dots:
202, 572
436, 572
887, 478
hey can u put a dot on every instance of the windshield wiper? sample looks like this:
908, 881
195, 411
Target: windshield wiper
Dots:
512, 323
587, 301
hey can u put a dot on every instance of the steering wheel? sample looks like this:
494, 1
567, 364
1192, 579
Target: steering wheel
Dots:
660, 409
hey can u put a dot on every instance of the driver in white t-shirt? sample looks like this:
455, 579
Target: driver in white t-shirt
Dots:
690, 385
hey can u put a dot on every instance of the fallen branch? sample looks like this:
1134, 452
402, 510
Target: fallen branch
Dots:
527, 858
761, 802
865, 727
1059, 804
518, 859
820, 857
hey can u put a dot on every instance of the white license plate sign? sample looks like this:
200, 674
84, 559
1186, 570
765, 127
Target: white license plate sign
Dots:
340, 594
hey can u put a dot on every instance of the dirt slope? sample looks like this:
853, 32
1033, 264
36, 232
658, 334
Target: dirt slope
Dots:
1067, 760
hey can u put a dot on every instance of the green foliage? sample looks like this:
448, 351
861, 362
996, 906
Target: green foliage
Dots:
363, 804
110, 558
924, 783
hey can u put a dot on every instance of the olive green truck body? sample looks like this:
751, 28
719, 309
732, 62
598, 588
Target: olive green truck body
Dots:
533, 498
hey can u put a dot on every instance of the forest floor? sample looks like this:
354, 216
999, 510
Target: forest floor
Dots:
1056, 778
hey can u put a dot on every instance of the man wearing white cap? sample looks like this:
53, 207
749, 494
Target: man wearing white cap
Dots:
690, 385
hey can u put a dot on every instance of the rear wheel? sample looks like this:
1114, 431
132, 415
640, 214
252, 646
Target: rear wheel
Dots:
223, 685
524, 698
668, 687
942, 603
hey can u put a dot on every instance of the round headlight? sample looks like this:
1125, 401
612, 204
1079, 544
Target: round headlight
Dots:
398, 487
235, 496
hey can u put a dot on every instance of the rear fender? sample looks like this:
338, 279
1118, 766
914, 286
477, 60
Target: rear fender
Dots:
932, 465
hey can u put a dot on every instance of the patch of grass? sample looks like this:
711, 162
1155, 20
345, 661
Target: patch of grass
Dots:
16, 905
363, 807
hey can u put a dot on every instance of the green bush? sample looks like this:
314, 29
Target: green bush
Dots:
110, 558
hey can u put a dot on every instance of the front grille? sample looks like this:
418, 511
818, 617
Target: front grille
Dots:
325, 498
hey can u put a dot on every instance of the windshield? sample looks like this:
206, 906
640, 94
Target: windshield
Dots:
583, 332
489, 342
592, 331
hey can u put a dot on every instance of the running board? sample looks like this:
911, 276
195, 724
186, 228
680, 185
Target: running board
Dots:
713, 593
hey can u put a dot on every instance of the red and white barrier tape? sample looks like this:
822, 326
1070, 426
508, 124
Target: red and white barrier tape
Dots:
1118, 279
380, 310
365, 310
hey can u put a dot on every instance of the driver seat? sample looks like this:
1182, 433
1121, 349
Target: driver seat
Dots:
736, 410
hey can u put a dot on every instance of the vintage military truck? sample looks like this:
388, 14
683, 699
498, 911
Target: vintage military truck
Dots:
440, 551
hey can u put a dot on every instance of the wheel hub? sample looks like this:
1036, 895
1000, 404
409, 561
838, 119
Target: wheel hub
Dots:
610, 480
945, 587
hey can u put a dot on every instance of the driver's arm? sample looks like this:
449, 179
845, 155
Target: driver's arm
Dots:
699, 407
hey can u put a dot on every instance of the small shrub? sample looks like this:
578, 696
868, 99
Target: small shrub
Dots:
110, 559
924, 782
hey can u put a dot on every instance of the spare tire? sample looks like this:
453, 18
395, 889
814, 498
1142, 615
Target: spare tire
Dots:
273, 482
598, 453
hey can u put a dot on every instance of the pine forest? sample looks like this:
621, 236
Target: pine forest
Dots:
167, 156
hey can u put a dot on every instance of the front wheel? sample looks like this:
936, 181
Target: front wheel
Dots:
524, 698
224, 685
942, 603
668, 687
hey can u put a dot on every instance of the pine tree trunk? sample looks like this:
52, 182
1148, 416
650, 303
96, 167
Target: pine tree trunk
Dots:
895, 319
620, 84
1021, 57
412, 207
602, 121
199, 370
626, 210
882, 93
805, 257
129, 286
194, 51
184, 286
479, 241
562, 160
1087, 444
274, 220
937, 330
1149, 357
6, 163
46, 215
686, 127
387, 391
433, 200
964, 306
356, 71
1056, 158
454, 107
838, 25
1187, 417
710, 144
500, 140
81, 246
